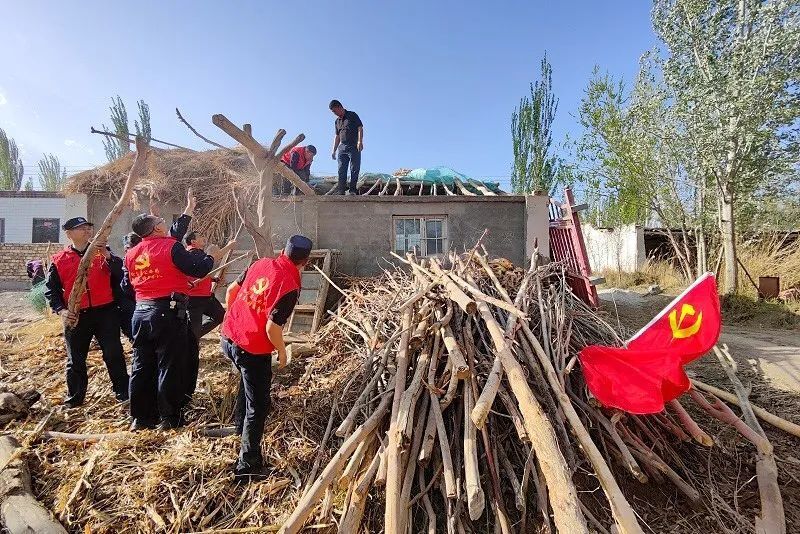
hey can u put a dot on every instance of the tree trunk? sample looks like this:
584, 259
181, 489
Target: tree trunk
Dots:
728, 233
20, 512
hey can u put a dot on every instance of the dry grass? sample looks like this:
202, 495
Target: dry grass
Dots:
652, 272
180, 479
769, 257
211, 174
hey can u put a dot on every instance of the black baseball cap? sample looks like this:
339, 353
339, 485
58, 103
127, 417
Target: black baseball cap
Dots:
75, 222
298, 247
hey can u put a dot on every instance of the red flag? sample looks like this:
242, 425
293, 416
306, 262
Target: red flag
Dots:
637, 381
690, 325
647, 373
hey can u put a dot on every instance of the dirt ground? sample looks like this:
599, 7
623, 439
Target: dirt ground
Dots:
15, 310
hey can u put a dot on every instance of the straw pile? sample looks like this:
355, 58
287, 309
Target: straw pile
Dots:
345, 460
211, 175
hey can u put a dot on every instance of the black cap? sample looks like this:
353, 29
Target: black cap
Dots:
311, 148
144, 224
75, 222
298, 248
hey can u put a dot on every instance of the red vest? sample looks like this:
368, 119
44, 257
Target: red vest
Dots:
302, 162
201, 288
151, 271
98, 282
267, 280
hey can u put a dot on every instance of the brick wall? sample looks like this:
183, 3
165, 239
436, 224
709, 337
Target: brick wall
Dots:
14, 256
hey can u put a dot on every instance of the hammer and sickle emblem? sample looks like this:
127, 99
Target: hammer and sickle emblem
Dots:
678, 330
260, 286
142, 261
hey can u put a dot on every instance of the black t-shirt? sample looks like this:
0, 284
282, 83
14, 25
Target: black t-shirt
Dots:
347, 128
283, 308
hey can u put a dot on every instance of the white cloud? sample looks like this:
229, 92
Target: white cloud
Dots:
3, 99
72, 143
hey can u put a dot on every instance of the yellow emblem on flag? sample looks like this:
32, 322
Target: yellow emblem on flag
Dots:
260, 286
678, 330
142, 261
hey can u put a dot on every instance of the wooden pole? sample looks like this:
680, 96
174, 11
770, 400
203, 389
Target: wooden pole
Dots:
137, 170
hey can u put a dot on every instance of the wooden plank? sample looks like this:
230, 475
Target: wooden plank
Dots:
305, 308
308, 296
322, 295
311, 280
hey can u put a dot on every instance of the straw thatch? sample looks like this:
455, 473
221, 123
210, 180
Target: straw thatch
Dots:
211, 175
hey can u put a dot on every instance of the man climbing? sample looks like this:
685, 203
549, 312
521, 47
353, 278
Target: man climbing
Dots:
156, 272
96, 318
349, 140
298, 159
259, 304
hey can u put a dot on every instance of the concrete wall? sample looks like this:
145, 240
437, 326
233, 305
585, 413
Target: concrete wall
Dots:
361, 228
618, 249
19, 208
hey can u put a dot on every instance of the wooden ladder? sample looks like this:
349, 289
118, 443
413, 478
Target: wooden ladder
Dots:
310, 308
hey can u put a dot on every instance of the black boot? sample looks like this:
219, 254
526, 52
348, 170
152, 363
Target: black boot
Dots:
251, 474
141, 424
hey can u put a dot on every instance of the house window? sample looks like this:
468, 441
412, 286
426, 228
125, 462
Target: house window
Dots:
425, 236
2, 230
45, 230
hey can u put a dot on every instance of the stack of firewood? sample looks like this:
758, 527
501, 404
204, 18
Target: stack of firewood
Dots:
472, 416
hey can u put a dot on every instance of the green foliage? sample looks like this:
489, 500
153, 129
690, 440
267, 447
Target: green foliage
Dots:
116, 148
52, 176
11, 168
535, 167
142, 125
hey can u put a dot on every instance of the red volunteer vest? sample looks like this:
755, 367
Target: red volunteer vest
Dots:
267, 280
201, 288
302, 162
151, 271
98, 283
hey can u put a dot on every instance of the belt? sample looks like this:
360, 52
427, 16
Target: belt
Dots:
176, 301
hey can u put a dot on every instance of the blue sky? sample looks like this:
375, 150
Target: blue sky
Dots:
435, 82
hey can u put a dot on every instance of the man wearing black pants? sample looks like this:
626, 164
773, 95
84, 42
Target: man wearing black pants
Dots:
125, 303
205, 311
259, 304
97, 317
156, 271
349, 140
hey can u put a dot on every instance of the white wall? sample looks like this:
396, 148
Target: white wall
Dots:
19, 212
618, 249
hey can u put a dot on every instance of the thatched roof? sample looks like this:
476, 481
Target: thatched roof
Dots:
170, 173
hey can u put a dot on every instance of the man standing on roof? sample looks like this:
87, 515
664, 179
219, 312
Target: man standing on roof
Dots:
96, 317
298, 159
156, 270
259, 304
349, 140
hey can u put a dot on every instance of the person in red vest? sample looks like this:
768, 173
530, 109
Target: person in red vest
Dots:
298, 159
156, 272
259, 304
97, 317
205, 311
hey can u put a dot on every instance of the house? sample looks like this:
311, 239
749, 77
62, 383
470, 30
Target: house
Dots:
430, 213
30, 229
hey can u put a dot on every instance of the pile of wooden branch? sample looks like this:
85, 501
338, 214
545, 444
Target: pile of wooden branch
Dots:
472, 416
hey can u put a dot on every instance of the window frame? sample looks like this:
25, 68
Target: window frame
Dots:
423, 220
57, 221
